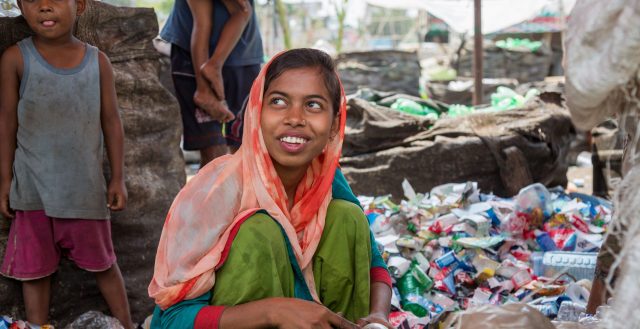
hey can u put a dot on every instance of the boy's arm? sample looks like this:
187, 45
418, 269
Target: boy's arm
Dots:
113, 135
10, 66
240, 12
204, 97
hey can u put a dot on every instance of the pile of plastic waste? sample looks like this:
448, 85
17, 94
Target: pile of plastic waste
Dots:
507, 99
455, 247
503, 99
9, 323
518, 44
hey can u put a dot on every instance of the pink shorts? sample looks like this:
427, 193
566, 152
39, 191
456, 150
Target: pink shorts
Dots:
36, 243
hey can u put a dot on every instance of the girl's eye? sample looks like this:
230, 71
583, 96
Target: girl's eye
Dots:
278, 101
314, 105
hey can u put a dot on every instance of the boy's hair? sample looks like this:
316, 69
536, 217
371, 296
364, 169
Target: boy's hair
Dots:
307, 57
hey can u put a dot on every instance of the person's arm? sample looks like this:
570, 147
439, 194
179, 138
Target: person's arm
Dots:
204, 97
10, 66
240, 12
265, 313
113, 135
283, 313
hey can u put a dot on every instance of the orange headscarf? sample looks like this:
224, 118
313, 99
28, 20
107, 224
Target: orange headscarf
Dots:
229, 189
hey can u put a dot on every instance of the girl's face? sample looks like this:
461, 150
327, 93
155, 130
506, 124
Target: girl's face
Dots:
297, 118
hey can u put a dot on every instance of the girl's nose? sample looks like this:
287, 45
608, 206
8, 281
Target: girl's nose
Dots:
295, 116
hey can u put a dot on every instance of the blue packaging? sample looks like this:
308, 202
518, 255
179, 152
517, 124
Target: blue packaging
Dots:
545, 241
447, 260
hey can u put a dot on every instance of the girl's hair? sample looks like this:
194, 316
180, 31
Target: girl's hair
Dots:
307, 57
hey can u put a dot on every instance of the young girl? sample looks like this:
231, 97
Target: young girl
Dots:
272, 236
57, 98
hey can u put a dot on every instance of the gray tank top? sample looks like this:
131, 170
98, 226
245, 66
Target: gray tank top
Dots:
59, 153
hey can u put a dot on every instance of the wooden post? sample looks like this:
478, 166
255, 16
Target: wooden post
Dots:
478, 52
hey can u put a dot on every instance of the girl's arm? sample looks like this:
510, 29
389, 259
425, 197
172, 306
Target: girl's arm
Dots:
113, 135
265, 313
380, 291
10, 68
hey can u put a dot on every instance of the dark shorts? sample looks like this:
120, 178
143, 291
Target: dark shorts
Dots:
237, 85
37, 242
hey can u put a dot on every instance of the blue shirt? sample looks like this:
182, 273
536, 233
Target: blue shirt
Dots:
179, 25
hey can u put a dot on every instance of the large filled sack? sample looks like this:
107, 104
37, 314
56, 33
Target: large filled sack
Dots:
154, 166
503, 151
521, 64
385, 70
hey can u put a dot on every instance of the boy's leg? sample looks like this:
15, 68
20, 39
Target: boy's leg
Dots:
90, 247
112, 288
32, 256
209, 153
37, 294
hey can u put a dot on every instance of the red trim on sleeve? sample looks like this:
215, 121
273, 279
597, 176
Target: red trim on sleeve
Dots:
208, 317
380, 274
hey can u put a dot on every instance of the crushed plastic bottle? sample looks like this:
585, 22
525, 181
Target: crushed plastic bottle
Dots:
414, 108
458, 110
507, 99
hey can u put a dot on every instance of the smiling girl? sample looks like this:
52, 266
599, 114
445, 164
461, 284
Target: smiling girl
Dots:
272, 236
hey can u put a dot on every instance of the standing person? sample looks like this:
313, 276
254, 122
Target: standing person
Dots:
57, 100
278, 238
216, 52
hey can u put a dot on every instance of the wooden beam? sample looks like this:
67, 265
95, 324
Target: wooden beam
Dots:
478, 52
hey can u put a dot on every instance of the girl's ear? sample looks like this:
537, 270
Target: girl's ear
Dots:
335, 127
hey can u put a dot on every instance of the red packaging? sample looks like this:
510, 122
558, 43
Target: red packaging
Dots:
560, 236
579, 224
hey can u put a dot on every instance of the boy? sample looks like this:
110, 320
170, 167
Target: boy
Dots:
216, 54
57, 99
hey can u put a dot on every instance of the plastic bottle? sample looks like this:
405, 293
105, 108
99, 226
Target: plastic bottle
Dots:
545, 241
534, 196
411, 107
411, 287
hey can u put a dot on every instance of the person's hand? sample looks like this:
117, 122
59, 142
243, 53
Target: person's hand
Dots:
375, 318
5, 207
116, 195
212, 73
301, 314
218, 110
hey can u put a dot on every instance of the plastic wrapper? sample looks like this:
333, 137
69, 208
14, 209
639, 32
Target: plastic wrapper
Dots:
94, 320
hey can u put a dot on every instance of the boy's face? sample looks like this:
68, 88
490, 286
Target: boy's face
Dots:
51, 19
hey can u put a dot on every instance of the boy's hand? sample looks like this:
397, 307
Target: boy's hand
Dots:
5, 208
116, 195
218, 110
212, 72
